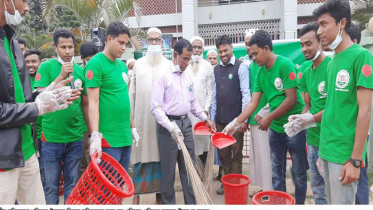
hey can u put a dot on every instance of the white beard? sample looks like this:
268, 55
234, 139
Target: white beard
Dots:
195, 67
154, 60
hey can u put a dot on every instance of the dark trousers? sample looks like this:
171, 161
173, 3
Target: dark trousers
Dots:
231, 156
86, 158
170, 154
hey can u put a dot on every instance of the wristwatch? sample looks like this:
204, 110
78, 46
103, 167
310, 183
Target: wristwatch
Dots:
356, 162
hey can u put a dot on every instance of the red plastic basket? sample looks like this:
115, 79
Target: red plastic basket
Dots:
236, 188
104, 183
273, 198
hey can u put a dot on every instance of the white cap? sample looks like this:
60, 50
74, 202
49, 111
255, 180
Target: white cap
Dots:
130, 61
250, 32
213, 52
156, 30
194, 38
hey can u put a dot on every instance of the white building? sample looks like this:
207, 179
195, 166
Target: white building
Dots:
212, 18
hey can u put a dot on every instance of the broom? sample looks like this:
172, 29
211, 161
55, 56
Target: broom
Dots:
209, 169
200, 193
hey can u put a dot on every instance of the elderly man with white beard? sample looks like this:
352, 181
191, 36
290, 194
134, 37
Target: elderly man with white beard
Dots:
201, 72
145, 157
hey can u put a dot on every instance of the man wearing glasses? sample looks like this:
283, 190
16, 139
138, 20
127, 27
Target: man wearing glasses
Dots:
172, 99
146, 174
230, 94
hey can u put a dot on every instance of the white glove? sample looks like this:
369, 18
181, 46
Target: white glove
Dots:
51, 100
176, 134
135, 136
319, 168
95, 145
264, 111
299, 122
232, 127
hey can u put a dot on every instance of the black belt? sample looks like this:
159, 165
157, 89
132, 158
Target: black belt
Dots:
171, 117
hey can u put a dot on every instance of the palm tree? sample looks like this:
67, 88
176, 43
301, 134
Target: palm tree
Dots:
93, 13
362, 11
37, 42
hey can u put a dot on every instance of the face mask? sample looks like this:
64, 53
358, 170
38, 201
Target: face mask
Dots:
130, 73
154, 49
317, 54
177, 66
338, 39
62, 61
196, 58
15, 19
329, 54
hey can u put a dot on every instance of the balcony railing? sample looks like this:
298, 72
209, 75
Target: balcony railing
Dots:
207, 3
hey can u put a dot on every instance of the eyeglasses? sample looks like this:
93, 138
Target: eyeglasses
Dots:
197, 47
154, 40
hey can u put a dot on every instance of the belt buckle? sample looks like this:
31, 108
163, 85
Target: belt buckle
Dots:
183, 117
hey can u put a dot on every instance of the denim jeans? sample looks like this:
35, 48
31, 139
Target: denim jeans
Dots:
317, 181
53, 154
279, 144
42, 176
120, 154
362, 194
337, 193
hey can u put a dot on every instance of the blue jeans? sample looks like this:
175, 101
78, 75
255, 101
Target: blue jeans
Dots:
279, 144
53, 154
317, 181
42, 176
362, 194
120, 154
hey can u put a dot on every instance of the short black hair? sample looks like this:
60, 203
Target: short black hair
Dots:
33, 52
262, 39
224, 39
116, 28
313, 26
355, 32
64, 33
181, 45
21, 41
88, 49
338, 9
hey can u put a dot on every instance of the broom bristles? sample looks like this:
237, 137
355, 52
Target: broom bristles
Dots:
209, 169
200, 193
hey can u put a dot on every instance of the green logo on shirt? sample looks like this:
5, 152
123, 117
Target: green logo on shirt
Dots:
230, 76
190, 88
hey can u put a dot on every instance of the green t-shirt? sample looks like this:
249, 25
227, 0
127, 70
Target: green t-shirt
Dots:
28, 147
313, 82
254, 68
84, 93
348, 70
39, 121
273, 82
305, 65
63, 126
115, 111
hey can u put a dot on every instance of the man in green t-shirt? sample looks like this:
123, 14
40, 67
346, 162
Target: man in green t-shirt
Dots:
260, 170
346, 118
19, 106
62, 131
33, 61
109, 104
276, 79
312, 84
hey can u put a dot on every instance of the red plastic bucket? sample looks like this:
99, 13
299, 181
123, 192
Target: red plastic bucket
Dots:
104, 183
236, 188
273, 198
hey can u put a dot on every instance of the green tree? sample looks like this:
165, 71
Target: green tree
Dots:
362, 12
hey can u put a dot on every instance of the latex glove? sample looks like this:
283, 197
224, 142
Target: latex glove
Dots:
232, 127
264, 111
177, 135
300, 122
95, 145
51, 100
135, 136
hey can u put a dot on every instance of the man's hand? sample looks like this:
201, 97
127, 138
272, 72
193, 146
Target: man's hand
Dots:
75, 93
265, 123
206, 113
177, 134
135, 136
258, 118
232, 127
243, 128
95, 145
210, 125
349, 174
65, 70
